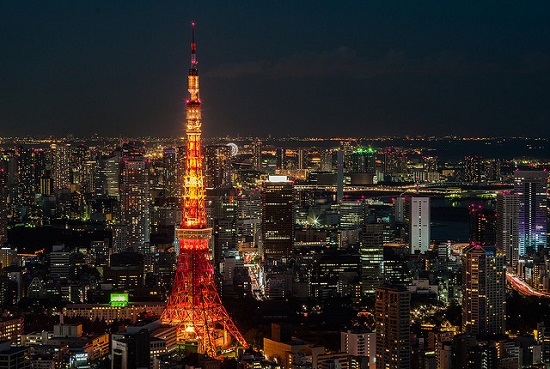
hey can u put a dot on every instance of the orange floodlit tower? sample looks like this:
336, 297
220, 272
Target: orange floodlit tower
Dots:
194, 305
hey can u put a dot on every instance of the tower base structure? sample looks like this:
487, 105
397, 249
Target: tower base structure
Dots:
194, 305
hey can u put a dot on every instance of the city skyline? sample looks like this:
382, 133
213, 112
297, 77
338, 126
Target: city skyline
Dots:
416, 248
280, 69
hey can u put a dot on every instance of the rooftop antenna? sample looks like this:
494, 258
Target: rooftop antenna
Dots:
193, 46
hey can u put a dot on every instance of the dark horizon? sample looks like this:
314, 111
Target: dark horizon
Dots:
286, 69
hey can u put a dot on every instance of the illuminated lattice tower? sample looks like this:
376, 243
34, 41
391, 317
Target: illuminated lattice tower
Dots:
194, 305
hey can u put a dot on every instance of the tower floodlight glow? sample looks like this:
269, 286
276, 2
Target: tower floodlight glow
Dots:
194, 305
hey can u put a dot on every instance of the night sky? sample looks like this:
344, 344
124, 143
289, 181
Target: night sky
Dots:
285, 68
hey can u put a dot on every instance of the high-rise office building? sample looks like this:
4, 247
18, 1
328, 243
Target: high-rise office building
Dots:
301, 156
171, 183
364, 160
256, 155
3, 201
217, 166
473, 169
134, 200
281, 158
326, 161
419, 223
88, 176
507, 224
491, 168
111, 176
371, 252
61, 168
221, 213
392, 319
339, 175
31, 163
249, 216
352, 213
278, 217
482, 225
399, 209
483, 290
531, 189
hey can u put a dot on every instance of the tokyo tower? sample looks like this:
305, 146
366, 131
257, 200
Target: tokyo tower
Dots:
194, 305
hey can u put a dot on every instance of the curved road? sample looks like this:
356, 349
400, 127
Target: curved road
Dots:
523, 288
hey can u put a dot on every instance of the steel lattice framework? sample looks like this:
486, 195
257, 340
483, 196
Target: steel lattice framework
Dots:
194, 305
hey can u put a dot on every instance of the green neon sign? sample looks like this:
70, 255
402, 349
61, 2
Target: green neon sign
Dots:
119, 299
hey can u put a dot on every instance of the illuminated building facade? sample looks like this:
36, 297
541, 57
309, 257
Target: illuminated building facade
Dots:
171, 182
109, 313
483, 290
31, 163
3, 201
531, 189
364, 160
281, 158
339, 175
125, 271
392, 320
371, 253
359, 343
249, 216
278, 217
111, 175
256, 155
473, 169
419, 235
134, 200
482, 225
194, 305
507, 227
221, 208
62, 264
61, 169
217, 166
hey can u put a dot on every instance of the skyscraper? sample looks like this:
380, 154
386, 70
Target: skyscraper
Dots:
278, 217
281, 158
257, 155
61, 169
473, 169
483, 290
364, 160
340, 174
419, 218
111, 175
507, 239
3, 201
134, 200
301, 158
482, 225
31, 163
170, 172
392, 319
221, 211
217, 166
371, 252
531, 189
